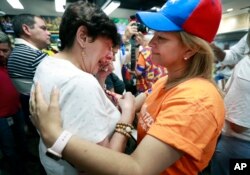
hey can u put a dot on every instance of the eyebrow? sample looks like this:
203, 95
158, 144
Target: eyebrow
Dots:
43, 27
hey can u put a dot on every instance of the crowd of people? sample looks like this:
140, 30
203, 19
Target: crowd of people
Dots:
86, 100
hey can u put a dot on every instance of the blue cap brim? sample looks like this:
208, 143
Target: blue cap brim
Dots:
157, 21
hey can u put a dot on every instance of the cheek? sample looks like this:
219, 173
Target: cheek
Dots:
7, 54
163, 56
105, 61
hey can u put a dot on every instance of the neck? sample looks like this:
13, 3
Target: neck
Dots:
73, 57
175, 73
27, 39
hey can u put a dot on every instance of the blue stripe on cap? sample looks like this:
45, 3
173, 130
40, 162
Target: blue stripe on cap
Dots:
176, 6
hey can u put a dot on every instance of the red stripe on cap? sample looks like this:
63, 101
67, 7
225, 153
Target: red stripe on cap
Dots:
205, 20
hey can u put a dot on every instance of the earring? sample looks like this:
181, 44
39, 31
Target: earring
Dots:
185, 58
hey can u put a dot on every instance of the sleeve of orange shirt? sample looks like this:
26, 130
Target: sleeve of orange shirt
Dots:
184, 124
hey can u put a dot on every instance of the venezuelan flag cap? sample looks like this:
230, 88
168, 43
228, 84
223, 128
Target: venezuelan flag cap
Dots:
197, 17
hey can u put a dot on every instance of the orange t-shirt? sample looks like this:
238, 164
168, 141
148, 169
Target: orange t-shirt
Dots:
188, 117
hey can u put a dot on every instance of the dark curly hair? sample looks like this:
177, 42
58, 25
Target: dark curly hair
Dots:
83, 13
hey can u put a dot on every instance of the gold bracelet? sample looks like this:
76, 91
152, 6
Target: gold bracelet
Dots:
123, 132
124, 126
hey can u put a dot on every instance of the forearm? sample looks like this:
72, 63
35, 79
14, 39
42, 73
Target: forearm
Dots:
85, 156
232, 57
118, 141
139, 100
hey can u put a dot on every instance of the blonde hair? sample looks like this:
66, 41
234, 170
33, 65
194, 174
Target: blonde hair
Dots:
200, 64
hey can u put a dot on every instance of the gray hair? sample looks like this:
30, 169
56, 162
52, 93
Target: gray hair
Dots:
4, 38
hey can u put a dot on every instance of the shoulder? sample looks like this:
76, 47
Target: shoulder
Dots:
200, 94
25, 48
26, 52
198, 89
65, 71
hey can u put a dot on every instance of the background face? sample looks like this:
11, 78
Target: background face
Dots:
5, 51
39, 33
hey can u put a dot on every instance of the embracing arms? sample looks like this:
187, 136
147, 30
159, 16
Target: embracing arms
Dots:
86, 156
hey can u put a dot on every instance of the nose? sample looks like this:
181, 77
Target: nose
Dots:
48, 33
110, 56
151, 42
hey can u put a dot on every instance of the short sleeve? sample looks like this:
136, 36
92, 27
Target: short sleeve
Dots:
185, 125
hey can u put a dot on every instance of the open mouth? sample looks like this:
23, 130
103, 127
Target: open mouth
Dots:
103, 66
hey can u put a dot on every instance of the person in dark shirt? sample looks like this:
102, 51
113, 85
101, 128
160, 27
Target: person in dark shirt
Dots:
12, 133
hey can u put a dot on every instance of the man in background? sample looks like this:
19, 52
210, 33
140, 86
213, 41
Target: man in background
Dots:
233, 55
12, 135
31, 37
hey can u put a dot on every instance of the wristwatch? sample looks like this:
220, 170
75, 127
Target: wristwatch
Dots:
55, 152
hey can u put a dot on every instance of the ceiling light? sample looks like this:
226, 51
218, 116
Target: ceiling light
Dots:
229, 10
60, 5
155, 9
16, 4
105, 4
111, 7
2, 13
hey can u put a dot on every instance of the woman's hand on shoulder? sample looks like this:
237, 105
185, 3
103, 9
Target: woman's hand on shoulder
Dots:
46, 117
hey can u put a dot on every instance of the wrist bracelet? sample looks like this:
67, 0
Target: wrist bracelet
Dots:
55, 151
124, 128
121, 131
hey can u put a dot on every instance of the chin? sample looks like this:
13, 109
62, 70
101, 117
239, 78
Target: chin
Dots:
156, 61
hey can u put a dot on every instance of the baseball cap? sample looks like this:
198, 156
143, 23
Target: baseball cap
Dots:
197, 17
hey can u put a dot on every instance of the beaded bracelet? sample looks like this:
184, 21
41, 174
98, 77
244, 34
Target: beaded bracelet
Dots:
123, 132
123, 125
124, 128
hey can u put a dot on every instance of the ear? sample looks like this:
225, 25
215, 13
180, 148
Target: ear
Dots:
189, 53
26, 29
81, 36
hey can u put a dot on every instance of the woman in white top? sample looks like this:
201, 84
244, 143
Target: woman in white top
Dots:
87, 36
